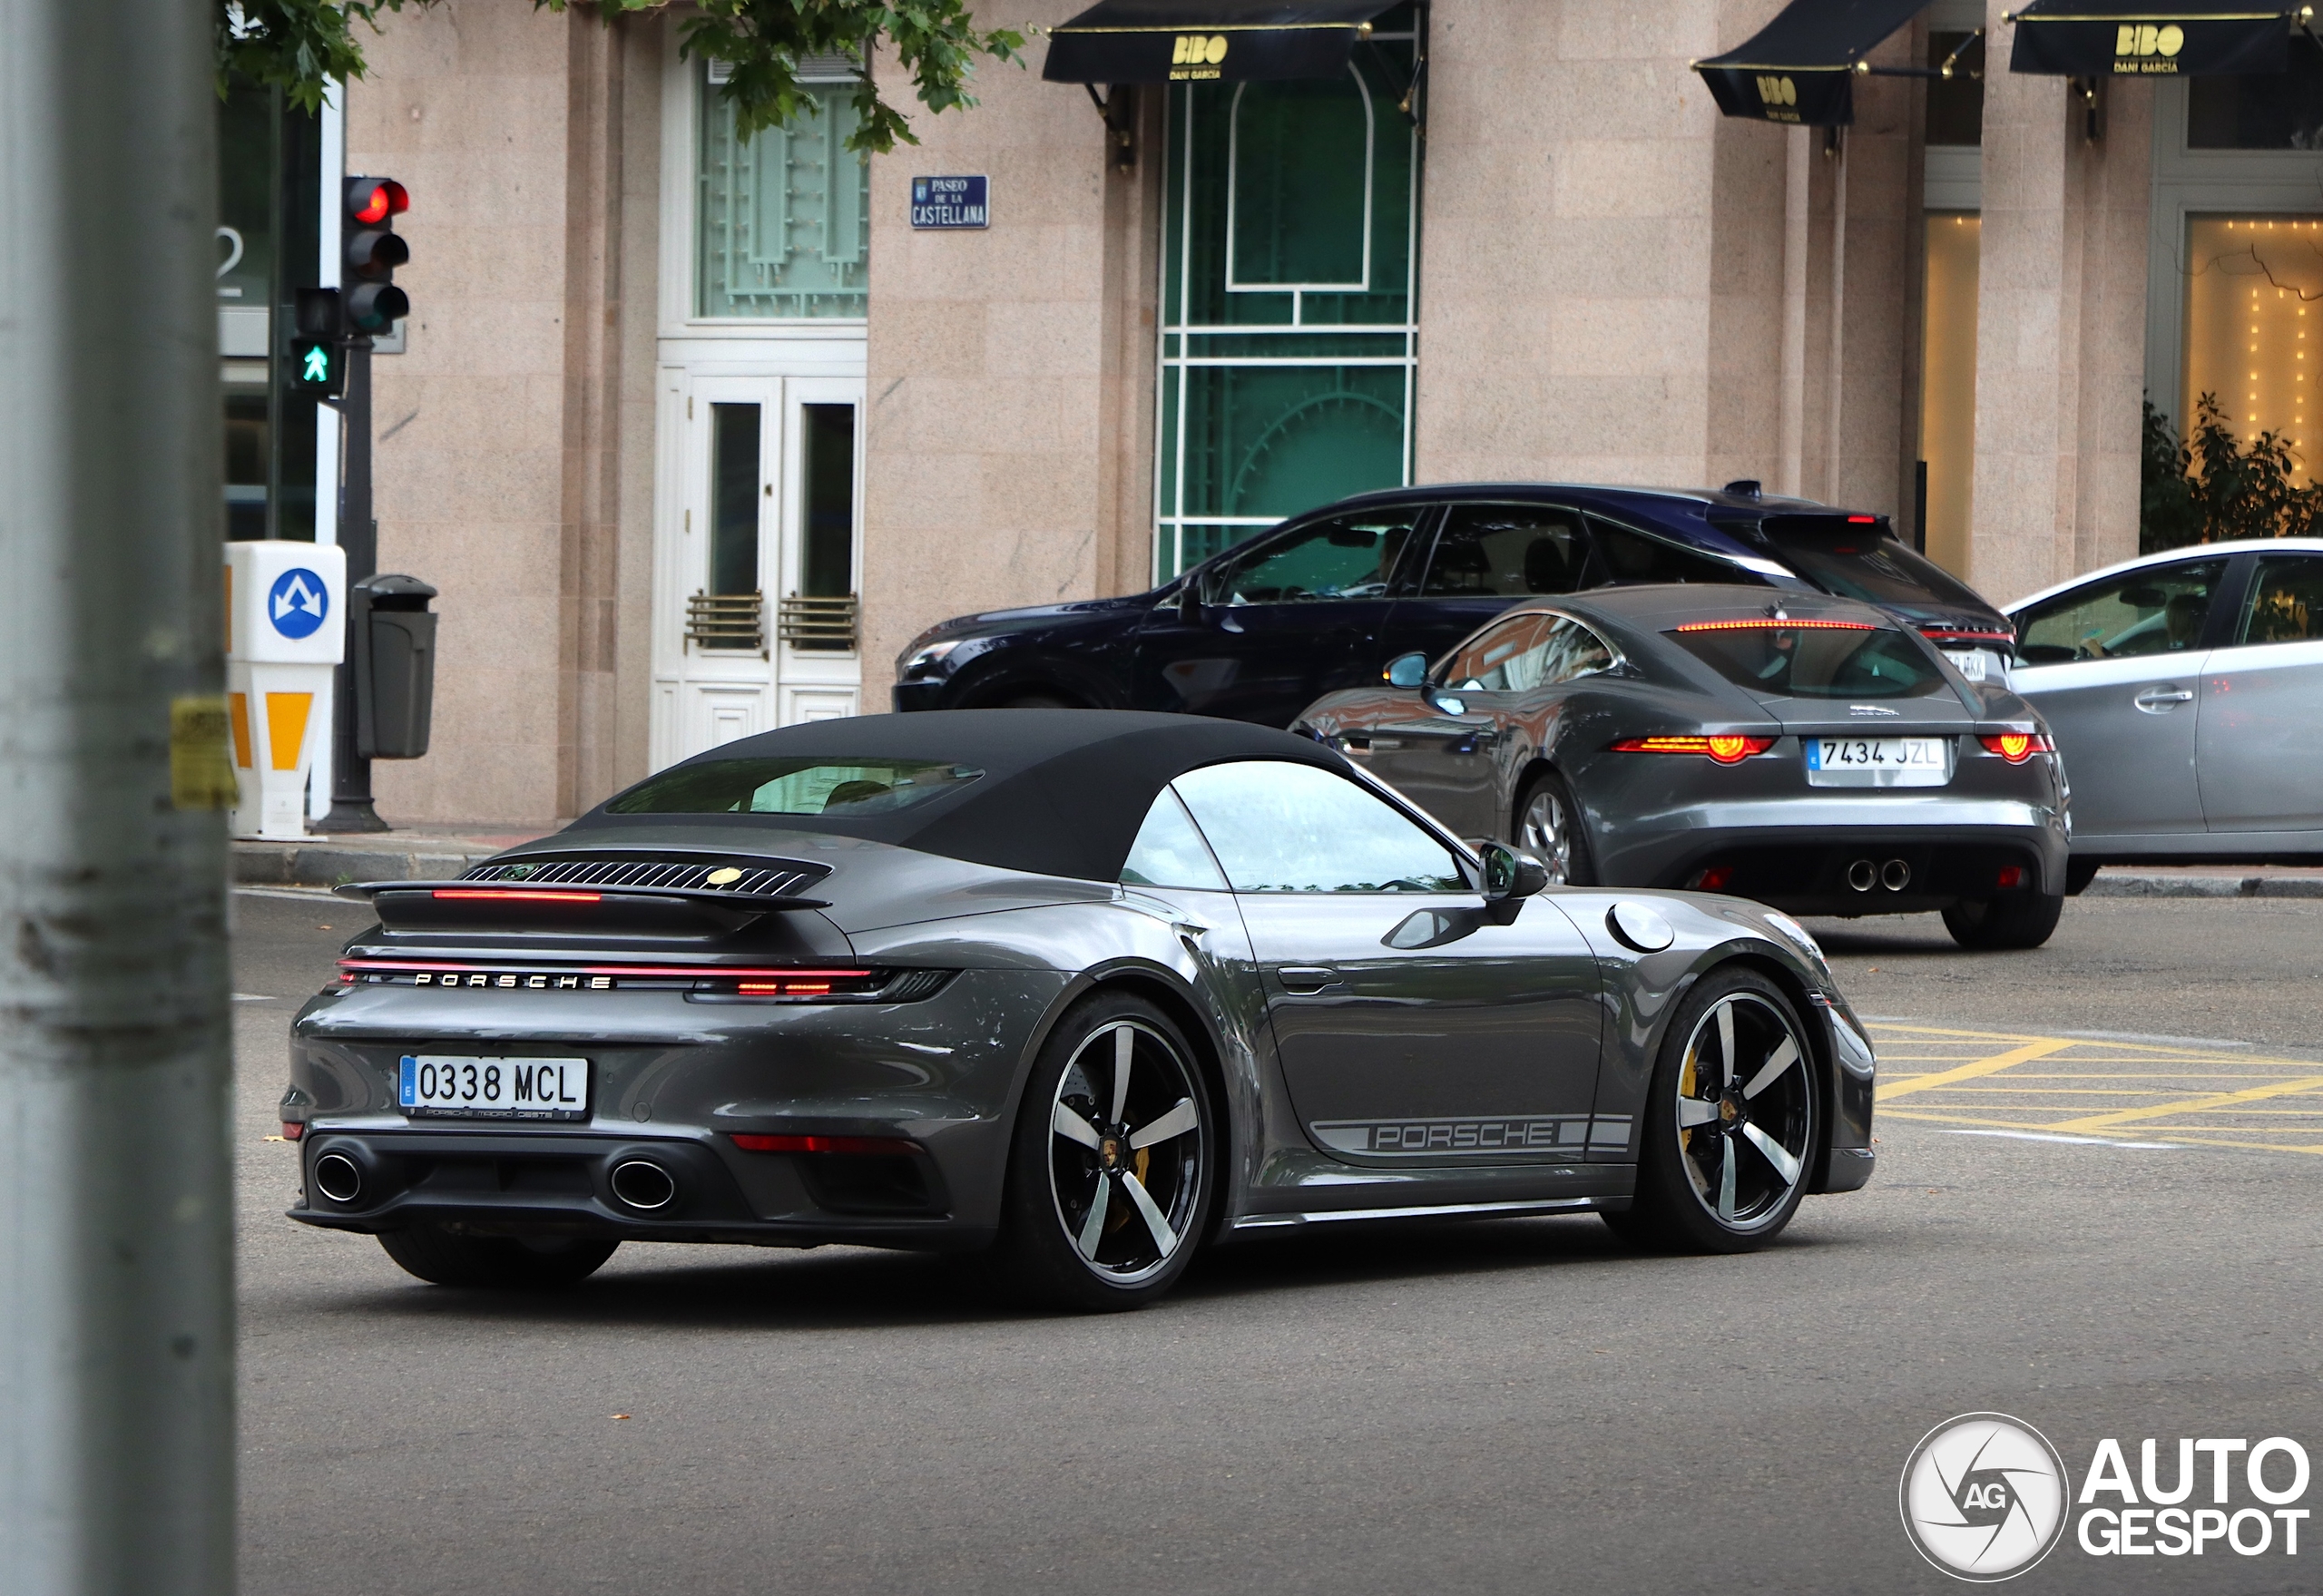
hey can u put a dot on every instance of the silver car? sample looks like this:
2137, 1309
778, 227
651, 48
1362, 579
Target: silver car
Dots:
2185, 692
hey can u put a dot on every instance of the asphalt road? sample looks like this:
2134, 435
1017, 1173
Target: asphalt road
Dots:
1516, 1405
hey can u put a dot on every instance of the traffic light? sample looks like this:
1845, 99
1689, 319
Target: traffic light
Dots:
372, 302
319, 349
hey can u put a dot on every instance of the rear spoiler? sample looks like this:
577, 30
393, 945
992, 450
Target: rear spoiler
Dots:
415, 905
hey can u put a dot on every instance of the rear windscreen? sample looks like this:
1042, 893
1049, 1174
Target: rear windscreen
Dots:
1863, 561
792, 787
1813, 662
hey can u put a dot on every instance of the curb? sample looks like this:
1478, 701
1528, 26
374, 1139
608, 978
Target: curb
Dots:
295, 864
2109, 884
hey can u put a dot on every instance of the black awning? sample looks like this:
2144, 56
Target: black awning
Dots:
2189, 38
1801, 67
1229, 41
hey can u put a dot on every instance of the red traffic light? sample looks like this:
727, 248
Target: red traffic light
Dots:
371, 201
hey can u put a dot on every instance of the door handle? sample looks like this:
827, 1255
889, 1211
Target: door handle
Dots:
1476, 741
1305, 982
2157, 701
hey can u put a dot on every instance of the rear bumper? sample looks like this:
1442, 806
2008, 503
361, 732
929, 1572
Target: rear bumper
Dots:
544, 1183
1806, 857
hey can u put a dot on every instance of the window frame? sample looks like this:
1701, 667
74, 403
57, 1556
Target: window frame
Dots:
2226, 603
1616, 662
1426, 514
2243, 586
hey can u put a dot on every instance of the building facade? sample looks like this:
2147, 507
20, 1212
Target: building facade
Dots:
695, 433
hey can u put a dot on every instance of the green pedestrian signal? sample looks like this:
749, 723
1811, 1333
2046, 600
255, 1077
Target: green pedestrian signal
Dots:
317, 357
317, 369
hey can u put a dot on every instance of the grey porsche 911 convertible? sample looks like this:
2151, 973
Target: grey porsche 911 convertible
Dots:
1094, 989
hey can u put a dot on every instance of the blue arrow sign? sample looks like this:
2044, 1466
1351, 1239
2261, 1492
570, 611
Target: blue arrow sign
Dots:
298, 602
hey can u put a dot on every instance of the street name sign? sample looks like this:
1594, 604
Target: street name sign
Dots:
949, 202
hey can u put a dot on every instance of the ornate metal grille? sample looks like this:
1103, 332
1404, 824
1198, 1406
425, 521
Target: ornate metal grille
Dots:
818, 623
727, 621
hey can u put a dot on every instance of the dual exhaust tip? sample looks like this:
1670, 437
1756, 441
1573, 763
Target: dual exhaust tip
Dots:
1895, 876
637, 1183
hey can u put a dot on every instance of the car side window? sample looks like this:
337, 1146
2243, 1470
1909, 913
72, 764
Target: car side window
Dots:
1344, 557
1279, 827
2148, 611
2286, 603
1506, 551
1632, 557
1527, 652
1169, 851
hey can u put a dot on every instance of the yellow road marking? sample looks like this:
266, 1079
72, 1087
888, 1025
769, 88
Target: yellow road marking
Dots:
2038, 1048
2215, 1100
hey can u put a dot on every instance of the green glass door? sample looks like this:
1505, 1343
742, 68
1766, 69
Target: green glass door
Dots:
1290, 233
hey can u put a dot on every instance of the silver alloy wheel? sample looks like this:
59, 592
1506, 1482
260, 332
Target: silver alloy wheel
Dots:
1546, 833
1126, 1150
1745, 1112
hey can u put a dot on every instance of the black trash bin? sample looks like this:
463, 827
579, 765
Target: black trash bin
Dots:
394, 666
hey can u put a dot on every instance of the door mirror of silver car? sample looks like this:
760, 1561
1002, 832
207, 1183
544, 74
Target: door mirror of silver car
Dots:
1509, 875
1407, 670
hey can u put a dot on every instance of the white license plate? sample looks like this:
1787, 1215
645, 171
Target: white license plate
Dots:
1878, 761
457, 1084
1970, 662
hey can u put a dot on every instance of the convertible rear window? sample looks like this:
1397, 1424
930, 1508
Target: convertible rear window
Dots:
1815, 660
792, 787
1859, 559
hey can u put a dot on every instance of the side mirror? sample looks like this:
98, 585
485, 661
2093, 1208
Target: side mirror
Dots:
1406, 671
1190, 600
1509, 875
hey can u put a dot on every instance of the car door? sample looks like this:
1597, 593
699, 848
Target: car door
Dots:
1293, 615
2258, 739
1485, 557
2114, 667
1460, 753
1412, 1022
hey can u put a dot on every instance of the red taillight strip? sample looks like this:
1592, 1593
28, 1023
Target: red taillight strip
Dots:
1726, 748
1763, 624
506, 895
751, 1143
714, 970
1946, 634
1863, 520
404, 964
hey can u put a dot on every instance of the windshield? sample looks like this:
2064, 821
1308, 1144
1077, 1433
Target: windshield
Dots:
792, 787
1825, 660
1859, 561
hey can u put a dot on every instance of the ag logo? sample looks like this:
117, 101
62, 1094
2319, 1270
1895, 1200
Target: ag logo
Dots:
1198, 50
1984, 1496
1777, 91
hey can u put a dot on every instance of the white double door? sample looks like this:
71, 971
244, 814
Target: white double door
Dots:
759, 502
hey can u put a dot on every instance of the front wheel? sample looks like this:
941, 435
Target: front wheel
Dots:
2024, 920
1548, 827
1730, 1120
1112, 1173
445, 1256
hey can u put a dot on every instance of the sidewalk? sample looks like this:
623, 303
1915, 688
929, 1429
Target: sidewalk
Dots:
415, 852
2207, 881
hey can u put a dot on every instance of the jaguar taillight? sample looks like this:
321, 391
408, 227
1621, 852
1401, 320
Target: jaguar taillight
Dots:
2017, 747
1726, 748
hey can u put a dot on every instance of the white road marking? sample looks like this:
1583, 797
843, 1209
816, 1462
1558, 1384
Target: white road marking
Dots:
2078, 1140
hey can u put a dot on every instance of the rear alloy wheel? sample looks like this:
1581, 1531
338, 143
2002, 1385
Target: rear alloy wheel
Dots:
1995, 924
445, 1256
1730, 1123
1548, 826
1111, 1177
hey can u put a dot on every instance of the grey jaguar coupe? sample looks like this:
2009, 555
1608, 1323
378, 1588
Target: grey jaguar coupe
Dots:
1803, 750
1093, 989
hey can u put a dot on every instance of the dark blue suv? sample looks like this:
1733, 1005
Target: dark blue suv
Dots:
1325, 599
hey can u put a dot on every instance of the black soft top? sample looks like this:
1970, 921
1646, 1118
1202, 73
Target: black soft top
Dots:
1063, 791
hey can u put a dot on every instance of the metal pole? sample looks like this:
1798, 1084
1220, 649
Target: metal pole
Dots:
116, 1305
358, 534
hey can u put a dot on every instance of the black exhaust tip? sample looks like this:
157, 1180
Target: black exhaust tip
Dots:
1863, 875
1895, 875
